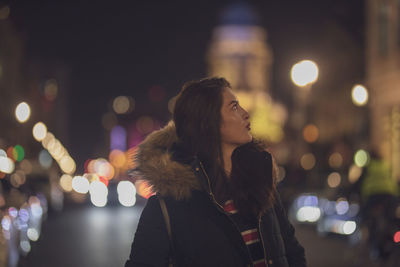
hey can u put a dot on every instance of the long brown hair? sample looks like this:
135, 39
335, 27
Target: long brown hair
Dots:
197, 118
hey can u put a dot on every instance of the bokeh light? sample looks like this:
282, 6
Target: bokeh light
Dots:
361, 158
334, 179
308, 161
51, 89
26, 166
342, 206
329, 207
118, 138
18, 178
25, 246
6, 223
57, 150
106, 170
354, 173
310, 133
39, 131
22, 112
349, 227
91, 177
98, 193
13, 212
307, 200
308, 214
90, 166
6, 165
18, 153
36, 208
32, 234
396, 237
80, 184
45, 159
117, 158
24, 213
335, 160
359, 95
66, 182
126, 193
123, 104
67, 165
4, 13
47, 139
10, 153
305, 72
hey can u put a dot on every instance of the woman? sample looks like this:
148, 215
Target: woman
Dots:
218, 186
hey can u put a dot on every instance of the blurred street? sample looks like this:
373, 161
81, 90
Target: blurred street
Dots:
101, 237
82, 84
85, 236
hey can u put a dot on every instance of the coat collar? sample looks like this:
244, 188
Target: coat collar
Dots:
169, 176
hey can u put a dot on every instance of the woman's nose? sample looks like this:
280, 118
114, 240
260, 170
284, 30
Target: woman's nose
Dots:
246, 115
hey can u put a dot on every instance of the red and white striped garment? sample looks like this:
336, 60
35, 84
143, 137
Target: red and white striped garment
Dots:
249, 231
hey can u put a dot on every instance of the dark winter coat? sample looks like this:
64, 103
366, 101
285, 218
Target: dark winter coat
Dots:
203, 233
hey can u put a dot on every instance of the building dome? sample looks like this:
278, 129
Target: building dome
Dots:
239, 13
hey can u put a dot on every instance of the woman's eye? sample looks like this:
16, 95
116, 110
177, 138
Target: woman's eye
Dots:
234, 107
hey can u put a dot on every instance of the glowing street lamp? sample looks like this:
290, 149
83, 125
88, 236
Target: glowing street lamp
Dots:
22, 112
304, 73
359, 95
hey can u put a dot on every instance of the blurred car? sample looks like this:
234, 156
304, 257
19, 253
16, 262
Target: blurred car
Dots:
329, 216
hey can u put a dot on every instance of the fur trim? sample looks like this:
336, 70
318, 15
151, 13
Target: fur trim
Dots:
154, 164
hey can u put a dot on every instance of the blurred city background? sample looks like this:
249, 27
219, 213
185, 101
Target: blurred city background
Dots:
81, 84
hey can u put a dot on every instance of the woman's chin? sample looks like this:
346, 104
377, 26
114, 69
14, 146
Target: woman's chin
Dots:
250, 137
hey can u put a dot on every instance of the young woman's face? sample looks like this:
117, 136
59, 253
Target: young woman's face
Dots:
235, 125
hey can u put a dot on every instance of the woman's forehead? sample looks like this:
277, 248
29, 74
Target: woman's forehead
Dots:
228, 95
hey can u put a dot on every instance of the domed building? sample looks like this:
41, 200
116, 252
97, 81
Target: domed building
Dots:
239, 51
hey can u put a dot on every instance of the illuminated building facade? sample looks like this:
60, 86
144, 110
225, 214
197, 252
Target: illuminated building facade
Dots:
239, 52
383, 75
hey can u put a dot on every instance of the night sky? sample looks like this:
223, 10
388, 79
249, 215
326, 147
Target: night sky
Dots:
113, 48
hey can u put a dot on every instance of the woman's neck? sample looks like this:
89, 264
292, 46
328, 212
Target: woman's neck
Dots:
227, 151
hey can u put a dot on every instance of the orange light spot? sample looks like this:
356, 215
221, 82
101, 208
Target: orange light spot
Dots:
117, 158
10, 153
310, 133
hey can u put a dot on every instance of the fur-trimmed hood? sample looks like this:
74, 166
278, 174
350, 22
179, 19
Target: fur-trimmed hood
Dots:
154, 164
